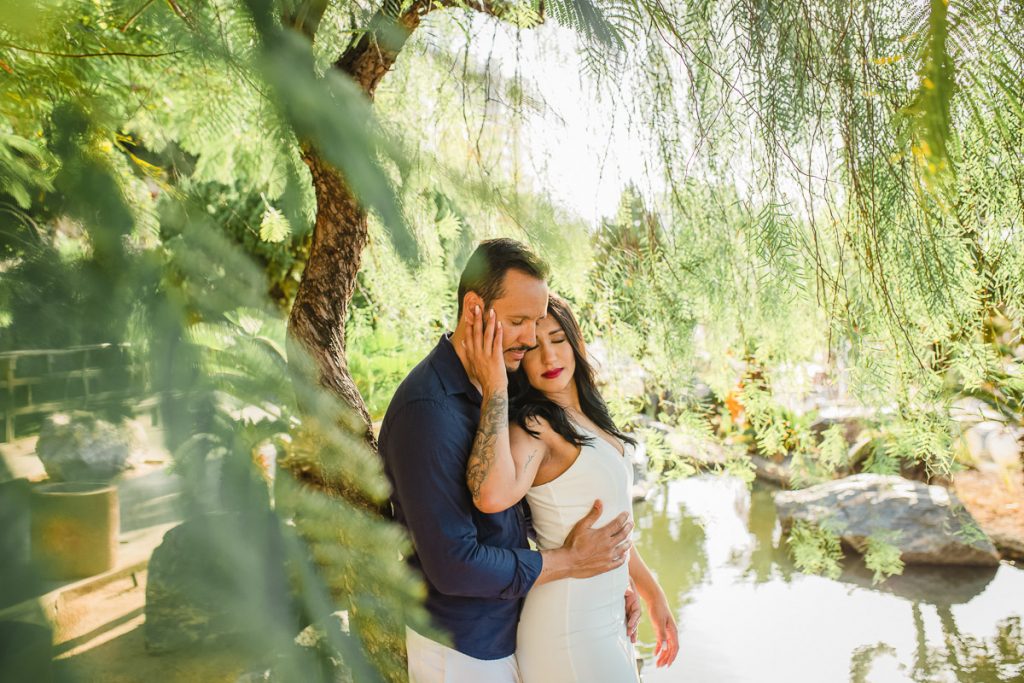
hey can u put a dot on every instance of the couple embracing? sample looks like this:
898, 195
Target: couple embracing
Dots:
500, 429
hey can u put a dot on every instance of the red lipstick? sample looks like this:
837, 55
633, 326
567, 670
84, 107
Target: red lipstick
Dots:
551, 374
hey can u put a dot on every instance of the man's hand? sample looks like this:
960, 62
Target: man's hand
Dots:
485, 355
595, 551
588, 551
633, 611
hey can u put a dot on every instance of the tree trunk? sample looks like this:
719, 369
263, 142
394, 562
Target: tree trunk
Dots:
317, 320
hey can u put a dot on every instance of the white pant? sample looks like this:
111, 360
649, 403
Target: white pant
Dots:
432, 662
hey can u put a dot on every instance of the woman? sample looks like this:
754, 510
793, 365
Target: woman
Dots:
561, 452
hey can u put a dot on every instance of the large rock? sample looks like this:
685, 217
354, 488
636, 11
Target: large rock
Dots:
930, 524
778, 472
851, 426
182, 604
688, 448
968, 411
993, 445
217, 575
78, 446
698, 451
1009, 543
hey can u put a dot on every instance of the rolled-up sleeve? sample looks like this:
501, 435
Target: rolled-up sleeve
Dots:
430, 483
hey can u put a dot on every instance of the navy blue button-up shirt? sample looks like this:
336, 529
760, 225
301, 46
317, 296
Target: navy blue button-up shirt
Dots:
477, 566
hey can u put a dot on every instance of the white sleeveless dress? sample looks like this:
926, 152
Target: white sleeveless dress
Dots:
574, 629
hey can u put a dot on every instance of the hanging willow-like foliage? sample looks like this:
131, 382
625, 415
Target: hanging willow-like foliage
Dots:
838, 177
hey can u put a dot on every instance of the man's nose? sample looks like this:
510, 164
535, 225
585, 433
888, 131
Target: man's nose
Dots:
529, 337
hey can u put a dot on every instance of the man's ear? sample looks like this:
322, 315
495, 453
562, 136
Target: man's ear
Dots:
470, 301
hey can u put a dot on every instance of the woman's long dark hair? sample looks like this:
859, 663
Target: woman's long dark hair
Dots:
528, 402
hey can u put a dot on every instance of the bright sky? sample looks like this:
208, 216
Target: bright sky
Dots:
580, 148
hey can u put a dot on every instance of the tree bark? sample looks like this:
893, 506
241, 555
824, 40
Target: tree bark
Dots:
317, 318
316, 323
372, 55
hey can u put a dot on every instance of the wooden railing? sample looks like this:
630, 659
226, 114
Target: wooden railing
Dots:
37, 382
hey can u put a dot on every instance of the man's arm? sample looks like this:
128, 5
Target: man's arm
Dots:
430, 483
503, 462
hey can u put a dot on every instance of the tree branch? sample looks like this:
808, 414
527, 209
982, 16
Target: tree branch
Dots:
83, 55
138, 13
373, 53
306, 17
495, 9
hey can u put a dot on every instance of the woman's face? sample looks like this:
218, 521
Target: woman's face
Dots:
550, 365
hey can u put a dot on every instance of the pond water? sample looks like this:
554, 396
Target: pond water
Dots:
746, 615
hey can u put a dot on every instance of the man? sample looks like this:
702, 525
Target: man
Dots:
477, 566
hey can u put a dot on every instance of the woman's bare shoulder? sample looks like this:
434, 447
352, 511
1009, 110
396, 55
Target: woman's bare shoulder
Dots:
522, 438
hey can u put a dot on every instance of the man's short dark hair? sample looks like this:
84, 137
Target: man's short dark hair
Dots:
485, 271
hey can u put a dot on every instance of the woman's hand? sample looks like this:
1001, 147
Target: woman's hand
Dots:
485, 356
667, 646
633, 611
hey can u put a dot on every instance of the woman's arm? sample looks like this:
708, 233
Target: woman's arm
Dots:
667, 646
502, 465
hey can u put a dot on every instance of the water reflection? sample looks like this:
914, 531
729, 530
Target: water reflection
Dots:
999, 659
769, 560
746, 614
681, 548
932, 585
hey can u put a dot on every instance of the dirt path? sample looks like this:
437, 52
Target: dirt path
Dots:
104, 642
123, 659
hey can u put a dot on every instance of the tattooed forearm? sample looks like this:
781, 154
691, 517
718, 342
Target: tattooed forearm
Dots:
493, 421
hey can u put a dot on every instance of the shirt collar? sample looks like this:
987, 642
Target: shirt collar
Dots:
451, 371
